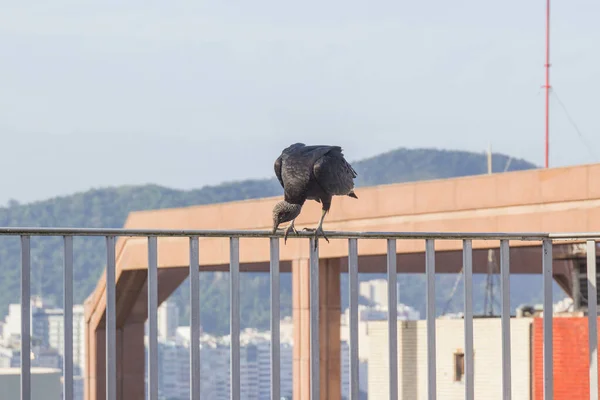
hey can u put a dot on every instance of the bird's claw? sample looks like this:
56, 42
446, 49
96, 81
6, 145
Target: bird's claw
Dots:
287, 231
317, 231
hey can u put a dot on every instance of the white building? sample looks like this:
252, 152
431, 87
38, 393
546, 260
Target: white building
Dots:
255, 366
49, 327
168, 320
12, 321
376, 291
345, 368
366, 315
47, 337
174, 370
262, 342
412, 359
46, 358
7, 358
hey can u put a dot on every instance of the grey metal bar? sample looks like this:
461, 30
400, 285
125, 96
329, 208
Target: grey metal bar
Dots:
152, 318
111, 320
25, 318
275, 317
431, 364
468, 292
573, 235
548, 280
392, 276
592, 318
505, 318
522, 236
234, 293
68, 318
353, 303
314, 322
195, 320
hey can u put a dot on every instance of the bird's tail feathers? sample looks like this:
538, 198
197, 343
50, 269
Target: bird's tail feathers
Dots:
352, 194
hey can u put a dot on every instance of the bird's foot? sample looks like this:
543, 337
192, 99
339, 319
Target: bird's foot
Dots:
317, 231
290, 227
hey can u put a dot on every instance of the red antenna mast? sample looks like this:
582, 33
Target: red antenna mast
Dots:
547, 85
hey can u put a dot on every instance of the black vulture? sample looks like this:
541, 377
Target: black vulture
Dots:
310, 173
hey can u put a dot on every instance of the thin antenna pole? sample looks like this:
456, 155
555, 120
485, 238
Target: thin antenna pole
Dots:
547, 86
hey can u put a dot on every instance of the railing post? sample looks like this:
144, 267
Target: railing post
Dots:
392, 276
468, 293
548, 281
68, 318
275, 312
592, 318
505, 319
195, 320
315, 351
152, 319
111, 321
353, 305
25, 318
234, 298
431, 318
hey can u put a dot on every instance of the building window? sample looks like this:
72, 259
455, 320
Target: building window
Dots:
459, 366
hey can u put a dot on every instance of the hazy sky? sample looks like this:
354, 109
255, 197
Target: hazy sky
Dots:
188, 93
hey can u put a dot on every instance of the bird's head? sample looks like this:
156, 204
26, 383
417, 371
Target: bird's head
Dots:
284, 212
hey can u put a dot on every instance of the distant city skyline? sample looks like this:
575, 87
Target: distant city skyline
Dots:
47, 332
101, 94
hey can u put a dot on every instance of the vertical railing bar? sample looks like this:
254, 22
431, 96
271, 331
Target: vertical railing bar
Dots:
392, 318
431, 361
548, 281
68, 318
152, 318
25, 318
353, 303
505, 318
592, 318
234, 296
111, 320
468, 292
195, 319
275, 317
314, 321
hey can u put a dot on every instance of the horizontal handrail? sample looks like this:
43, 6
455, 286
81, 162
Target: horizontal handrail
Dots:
522, 236
21, 231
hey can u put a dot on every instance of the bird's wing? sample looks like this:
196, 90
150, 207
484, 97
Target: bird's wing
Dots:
333, 173
290, 154
277, 167
296, 170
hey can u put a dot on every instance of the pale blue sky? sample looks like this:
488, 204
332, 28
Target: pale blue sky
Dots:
188, 93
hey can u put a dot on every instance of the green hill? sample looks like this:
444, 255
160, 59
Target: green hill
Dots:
109, 207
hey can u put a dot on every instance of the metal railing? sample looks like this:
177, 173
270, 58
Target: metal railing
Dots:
547, 240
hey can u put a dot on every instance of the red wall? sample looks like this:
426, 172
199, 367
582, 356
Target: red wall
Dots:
571, 362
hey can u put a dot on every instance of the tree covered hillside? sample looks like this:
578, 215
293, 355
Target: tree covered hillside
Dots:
109, 207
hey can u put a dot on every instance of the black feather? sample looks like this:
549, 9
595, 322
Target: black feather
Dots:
314, 173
